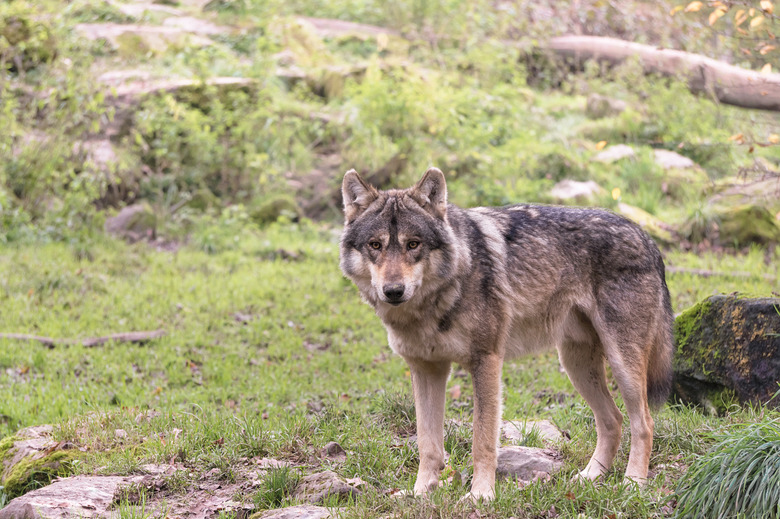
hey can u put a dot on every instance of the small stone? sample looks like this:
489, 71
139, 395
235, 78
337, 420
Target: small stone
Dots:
334, 452
318, 487
527, 464
133, 222
615, 153
669, 159
120, 433
517, 430
575, 190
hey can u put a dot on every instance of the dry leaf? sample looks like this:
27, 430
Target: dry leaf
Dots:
766, 48
675, 10
774, 138
737, 137
755, 22
600, 145
767, 6
717, 13
766, 69
740, 17
693, 7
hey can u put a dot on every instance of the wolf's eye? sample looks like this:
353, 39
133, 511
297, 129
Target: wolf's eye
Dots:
375, 245
412, 245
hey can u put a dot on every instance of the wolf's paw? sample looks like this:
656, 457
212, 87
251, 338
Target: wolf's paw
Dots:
475, 496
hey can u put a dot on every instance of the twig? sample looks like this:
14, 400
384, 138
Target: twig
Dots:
711, 273
90, 342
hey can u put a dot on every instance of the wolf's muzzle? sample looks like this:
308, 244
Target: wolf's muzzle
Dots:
394, 293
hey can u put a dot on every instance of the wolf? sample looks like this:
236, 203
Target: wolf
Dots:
479, 286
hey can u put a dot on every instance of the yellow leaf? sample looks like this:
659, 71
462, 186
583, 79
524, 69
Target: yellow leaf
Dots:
766, 69
752, 11
675, 10
737, 137
740, 17
774, 138
600, 145
693, 7
616, 193
767, 6
755, 22
766, 48
717, 13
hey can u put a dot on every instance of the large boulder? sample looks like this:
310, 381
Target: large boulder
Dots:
728, 346
579, 192
133, 222
737, 225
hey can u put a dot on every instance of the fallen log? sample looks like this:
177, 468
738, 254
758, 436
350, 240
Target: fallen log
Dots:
727, 83
90, 342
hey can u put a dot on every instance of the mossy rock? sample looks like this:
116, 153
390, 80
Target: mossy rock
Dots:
25, 42
133, 222
269, 210
656, 228
682, 183
31, 459
728, 347
203, 200
738, 225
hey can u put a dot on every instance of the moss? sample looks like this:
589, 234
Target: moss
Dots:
6, 444
31, 473
689, 322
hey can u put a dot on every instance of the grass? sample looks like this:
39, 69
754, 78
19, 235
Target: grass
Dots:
273, 357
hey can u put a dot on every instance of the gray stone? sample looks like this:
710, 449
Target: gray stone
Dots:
79, 496
518, 430
334, 452
316, 488
527, 464
615, 153
599, 106
578, 191
669, 160
133, 222
295, 512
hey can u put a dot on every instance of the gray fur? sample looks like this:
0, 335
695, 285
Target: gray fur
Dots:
501, 282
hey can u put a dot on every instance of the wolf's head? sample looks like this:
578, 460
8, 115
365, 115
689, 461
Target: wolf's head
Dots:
393, 240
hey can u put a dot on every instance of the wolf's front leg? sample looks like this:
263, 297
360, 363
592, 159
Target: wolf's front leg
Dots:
486, 374
429, 382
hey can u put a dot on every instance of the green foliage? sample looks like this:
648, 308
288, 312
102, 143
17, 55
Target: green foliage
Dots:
25, 40
739, 477
277, 486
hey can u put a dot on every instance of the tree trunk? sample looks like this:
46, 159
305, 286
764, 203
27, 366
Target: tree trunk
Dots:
727, 83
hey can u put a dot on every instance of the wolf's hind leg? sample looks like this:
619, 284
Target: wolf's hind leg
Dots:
584, 363
429, 382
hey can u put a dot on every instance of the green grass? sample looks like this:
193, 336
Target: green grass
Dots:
267, 357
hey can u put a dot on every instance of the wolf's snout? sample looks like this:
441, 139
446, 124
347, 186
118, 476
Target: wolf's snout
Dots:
394, 292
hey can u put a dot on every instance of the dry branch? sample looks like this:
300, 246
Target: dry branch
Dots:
131, 337
727, 83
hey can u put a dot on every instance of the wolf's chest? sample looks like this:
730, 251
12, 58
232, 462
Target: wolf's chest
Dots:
426, 342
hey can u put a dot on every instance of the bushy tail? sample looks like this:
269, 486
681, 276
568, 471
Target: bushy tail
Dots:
659, 368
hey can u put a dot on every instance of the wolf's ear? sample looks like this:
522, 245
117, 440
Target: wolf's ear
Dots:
357, 195
431, 192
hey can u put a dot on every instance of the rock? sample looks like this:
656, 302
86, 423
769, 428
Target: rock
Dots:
134, 222
599, 106
728, 345
526, 464
334, 452
518, 430
738, 225
329, 28
196, 25
31, 457
578, 191
655, 227
269, 210
131, 39
764, 192
615, 153
78, 496
316, 488
682, 183
295, 512
670, 160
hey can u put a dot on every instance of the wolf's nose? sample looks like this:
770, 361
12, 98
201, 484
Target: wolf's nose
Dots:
394, 292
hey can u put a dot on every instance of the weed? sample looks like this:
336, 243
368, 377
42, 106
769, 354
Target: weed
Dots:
277, 487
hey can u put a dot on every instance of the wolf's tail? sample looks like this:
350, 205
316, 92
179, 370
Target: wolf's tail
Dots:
659, 367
